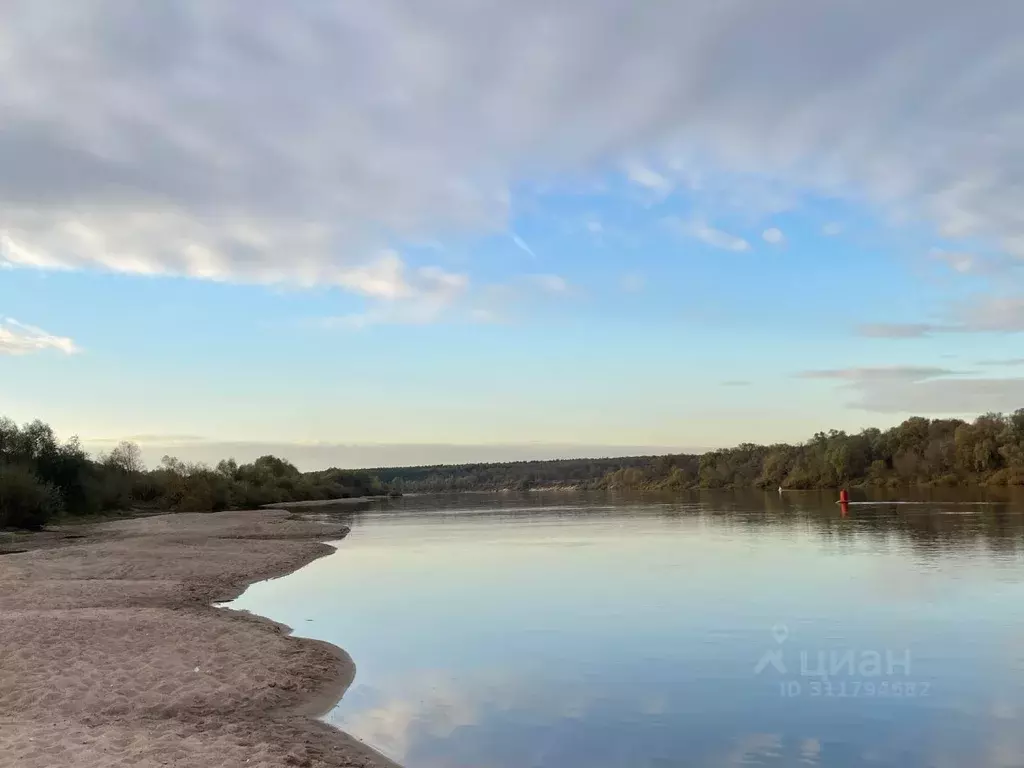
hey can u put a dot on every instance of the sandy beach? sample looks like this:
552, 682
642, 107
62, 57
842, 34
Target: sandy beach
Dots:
113, 654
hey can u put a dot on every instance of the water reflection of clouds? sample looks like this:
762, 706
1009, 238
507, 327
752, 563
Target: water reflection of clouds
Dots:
502, 719
410, 719
510, 717
773, 749
430, 708
628, 639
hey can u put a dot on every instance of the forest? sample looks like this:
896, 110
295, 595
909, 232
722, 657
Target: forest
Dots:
933, 452
510, 476
920, 451
43, 479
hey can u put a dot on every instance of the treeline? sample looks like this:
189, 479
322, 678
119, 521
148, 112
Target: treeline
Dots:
514, 476
943, 452
940, 452
42, 478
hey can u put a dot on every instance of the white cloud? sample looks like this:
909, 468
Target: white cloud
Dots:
594, 226
422, 297
646, 177
708, 235
294, 142
719, 239
20, 339
832, 228
773, 236
182, 250
484, 315
549, 283
520, 297
957, 261
150, 439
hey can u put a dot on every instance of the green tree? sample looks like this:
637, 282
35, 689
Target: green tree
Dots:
125, 457
25, 500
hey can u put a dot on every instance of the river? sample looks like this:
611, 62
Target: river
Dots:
716, 629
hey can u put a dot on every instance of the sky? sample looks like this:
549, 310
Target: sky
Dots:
432, 230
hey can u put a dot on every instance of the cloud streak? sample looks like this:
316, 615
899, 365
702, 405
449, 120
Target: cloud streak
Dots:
522, 246
982, 314
554, 284
923, 389
643, 176
704, 233
958, 261
882, 373
424, 296
1010, 361
20, 339
898, 330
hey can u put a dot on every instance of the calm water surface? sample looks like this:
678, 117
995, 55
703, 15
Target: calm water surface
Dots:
717, 630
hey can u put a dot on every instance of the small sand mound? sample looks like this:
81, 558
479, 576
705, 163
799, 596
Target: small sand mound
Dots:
52, 594
101, 663
198, 563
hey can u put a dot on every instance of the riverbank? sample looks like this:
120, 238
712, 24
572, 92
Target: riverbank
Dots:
356, 501
115, 656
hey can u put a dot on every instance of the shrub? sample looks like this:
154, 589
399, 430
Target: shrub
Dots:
44, 476
146, 489
25, 500
1000, 477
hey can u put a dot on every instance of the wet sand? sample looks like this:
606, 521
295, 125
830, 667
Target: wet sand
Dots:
113, 654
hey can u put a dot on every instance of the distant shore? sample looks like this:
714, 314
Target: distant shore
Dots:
116, 656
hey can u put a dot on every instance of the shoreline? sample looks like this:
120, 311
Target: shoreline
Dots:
351, 501
123, 657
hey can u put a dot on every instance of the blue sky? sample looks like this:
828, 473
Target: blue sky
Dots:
423, 231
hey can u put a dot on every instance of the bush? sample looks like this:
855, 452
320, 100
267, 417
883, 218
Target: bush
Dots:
1000, 477
25, 500
44, 476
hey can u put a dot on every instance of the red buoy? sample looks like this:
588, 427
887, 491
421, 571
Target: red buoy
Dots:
844, 496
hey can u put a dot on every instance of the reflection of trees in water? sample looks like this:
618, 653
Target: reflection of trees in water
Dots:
949, 519
946, 521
